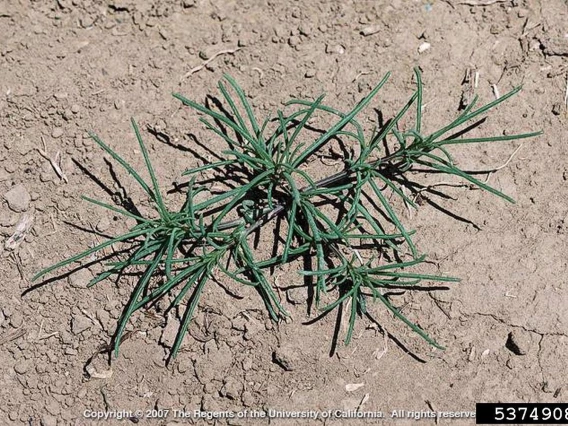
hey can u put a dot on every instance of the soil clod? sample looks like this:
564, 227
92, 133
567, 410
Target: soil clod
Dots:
18, 198
517, 343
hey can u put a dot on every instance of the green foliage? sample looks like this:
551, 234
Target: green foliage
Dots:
177, 252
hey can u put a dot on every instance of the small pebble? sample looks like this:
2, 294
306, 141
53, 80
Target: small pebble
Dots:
239, 324
232, 388
22, 367
518, 342
373, 29
75, 108
4, 175
80, 279
296, 295
169, 332
7, 219
80, 323
294, 41
18, 198
285, 358
103, 224
352, 387
556, 108
184, 365
86, 21
57, 132
310, 73
48, 420
247, 399
247, 364
17, 319
5, 11
495, 29
334, 49
304, 30
66, 337
424, 47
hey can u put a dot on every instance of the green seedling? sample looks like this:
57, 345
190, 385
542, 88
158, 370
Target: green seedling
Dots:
178, 252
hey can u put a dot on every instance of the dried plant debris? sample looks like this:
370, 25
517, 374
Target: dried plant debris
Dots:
469, 85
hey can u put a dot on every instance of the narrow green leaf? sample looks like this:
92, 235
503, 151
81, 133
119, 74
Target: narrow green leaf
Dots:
140, 287
246, 104
157, 195
124, 164
79, 256
339, 125
393, 216
409, 323
115, 209
188, 315
488, 139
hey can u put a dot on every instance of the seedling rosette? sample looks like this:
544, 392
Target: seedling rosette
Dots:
359, 252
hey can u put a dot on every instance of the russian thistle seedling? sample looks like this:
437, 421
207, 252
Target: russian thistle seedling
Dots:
178, 252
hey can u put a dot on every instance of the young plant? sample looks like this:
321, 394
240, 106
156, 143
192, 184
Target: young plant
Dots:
178, 252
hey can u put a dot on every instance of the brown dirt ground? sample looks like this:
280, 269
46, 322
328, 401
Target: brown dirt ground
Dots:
69, 66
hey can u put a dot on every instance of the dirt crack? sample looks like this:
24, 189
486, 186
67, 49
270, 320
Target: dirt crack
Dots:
522, 327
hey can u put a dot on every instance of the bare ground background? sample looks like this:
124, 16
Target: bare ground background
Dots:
69, 66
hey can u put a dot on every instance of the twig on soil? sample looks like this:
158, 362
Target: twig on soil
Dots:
527, 29
496, 169
495, 91
468, 88
362, 73
53, 223
407, 205
41, 335
566, 93
378, 354
466, 185
442, 183
40, 329
47, 336
18, 263
258, 70
431, 407
12, 335
448, 2
205, 63
55, 162
22, 228
363, 401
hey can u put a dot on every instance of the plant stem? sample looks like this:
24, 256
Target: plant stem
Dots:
279, 208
